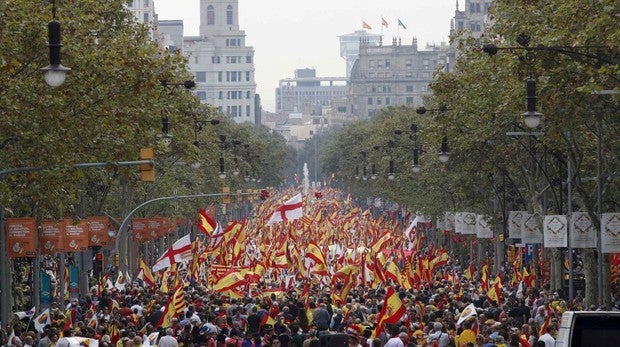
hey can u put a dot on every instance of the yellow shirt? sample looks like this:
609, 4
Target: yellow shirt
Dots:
467, 336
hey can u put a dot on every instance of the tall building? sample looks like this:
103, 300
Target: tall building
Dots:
143, 10
221, 61
471, 21
350, 46
307, 93
393, 75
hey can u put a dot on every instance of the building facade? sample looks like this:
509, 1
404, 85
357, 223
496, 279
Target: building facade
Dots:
392, 76
307, 93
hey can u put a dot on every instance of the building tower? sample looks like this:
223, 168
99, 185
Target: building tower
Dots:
350, 46
222, 63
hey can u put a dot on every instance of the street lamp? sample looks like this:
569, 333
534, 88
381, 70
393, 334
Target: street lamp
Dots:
55, 73
444, 154
532, 118
415, 167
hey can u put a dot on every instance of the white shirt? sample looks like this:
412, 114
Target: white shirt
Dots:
168, 341
547, 339
394, 342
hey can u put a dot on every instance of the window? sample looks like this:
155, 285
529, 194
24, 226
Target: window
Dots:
409, 100
130, 3
210, 15
342, 109
248, 59
408, 63
229, 15
146, 17
387, 63
221, 95
202, 95
461, 26
371, 64
219, 76
369, 101
146, 3
387, 101
248, 94
201, 76
247, 110
409, 89
248, 76
379, 101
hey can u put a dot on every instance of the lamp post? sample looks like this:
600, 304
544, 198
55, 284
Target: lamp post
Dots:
413, 136
532, 117
444, 153
55, 73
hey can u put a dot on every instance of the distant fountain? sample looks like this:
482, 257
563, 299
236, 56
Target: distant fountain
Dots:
306, 179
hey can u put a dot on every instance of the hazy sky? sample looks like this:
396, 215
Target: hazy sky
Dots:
294, 34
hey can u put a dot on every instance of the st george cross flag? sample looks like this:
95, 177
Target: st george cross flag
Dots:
180, 251
292, 209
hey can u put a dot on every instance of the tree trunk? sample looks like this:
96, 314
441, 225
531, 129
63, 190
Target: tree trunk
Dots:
557, 269
591, 276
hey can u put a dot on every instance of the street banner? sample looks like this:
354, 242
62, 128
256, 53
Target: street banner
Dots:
483, 229
514, 224
155, 227
449, 221
583, 233
46, 289
555, 231
52, 237
97, 231
530, 229
21, 240
465, 223
74, 278
139, 229
610, 237
76, 236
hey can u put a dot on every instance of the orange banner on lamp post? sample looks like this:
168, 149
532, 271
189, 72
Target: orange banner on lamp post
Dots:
21, 240
97, 231
155, 227
139, 229
76, 236
52, 236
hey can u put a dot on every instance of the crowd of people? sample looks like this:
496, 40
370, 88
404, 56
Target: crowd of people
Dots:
338, 276
130, 317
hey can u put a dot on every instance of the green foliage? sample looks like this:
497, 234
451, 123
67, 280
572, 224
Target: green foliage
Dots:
111, 105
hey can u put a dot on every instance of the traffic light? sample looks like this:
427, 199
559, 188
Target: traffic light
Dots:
264, 194
147, 171
226, 197
97, 265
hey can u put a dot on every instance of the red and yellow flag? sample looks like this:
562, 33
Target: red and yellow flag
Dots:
391, 312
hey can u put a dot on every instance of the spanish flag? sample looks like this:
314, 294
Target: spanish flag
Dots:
391, 312
206, 224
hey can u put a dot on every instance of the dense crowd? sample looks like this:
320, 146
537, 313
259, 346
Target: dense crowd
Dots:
129, 317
